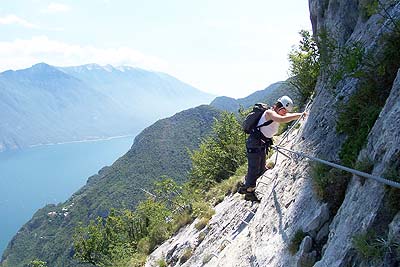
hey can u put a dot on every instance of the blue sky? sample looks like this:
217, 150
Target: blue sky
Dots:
230, 48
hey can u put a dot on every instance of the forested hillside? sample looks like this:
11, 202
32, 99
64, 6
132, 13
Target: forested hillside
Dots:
160, 150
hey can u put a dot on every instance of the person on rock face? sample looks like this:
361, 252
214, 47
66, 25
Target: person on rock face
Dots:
260, 140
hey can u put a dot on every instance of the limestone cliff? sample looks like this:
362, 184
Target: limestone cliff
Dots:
245, 234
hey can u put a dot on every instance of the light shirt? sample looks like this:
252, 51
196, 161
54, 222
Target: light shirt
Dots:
269, 130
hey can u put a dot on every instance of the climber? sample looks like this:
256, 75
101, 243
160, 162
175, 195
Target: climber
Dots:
260, 140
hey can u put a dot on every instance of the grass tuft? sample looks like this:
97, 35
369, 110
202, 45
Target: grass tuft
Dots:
296, 241
329, 185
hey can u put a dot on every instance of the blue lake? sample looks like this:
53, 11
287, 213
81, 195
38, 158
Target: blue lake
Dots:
34, 177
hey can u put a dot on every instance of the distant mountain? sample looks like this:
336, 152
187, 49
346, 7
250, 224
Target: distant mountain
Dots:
268, 95
153, 95
161, 149
45, 104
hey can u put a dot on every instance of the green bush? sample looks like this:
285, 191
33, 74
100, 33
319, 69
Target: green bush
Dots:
186, 255
91, 244
207, 258
365, 165
162, 263
393, 194
341, 61
201, 237
329, 184
356, 119
359, 114
304, 66
372, 7
296, 241
202, 223
349, 62
37, 263
202, 209
182, 219
366, 245
159, 234
144, 245
109, 241
220, 154
217, 193
372, 248
368, 8
172, 194
137, 260
321, 179
155, 214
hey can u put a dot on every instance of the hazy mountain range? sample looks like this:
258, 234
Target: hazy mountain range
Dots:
46, 104
268, 95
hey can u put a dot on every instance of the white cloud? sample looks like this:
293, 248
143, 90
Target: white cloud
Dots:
24, 53
56, 8
14, 19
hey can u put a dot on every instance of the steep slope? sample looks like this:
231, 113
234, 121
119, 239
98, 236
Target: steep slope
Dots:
369, 206
160, 149
243, 234
291, 210
269, 95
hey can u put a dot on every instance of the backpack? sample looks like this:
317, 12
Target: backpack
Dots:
249, 124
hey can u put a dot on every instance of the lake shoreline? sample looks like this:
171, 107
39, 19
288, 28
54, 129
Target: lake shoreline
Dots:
36, 176
84, 140
97, 139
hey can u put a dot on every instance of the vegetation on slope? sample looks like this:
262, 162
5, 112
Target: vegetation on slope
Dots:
161, 149
125, 237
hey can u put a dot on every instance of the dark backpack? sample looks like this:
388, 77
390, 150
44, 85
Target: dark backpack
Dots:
249, 124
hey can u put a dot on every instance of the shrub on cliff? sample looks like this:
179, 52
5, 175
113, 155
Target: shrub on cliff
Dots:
220, 154
304, 65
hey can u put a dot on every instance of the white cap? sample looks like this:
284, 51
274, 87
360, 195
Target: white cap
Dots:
286, 102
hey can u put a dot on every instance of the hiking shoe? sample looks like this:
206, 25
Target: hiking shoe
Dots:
242, 189
251, 196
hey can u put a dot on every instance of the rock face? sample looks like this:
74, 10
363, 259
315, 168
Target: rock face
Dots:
243, 235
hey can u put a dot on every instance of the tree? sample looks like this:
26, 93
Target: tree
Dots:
155, 215
220, 154
105, 242
90, 244
304, 65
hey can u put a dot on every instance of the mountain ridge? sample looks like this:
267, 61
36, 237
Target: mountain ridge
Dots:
54, 106
268, 95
